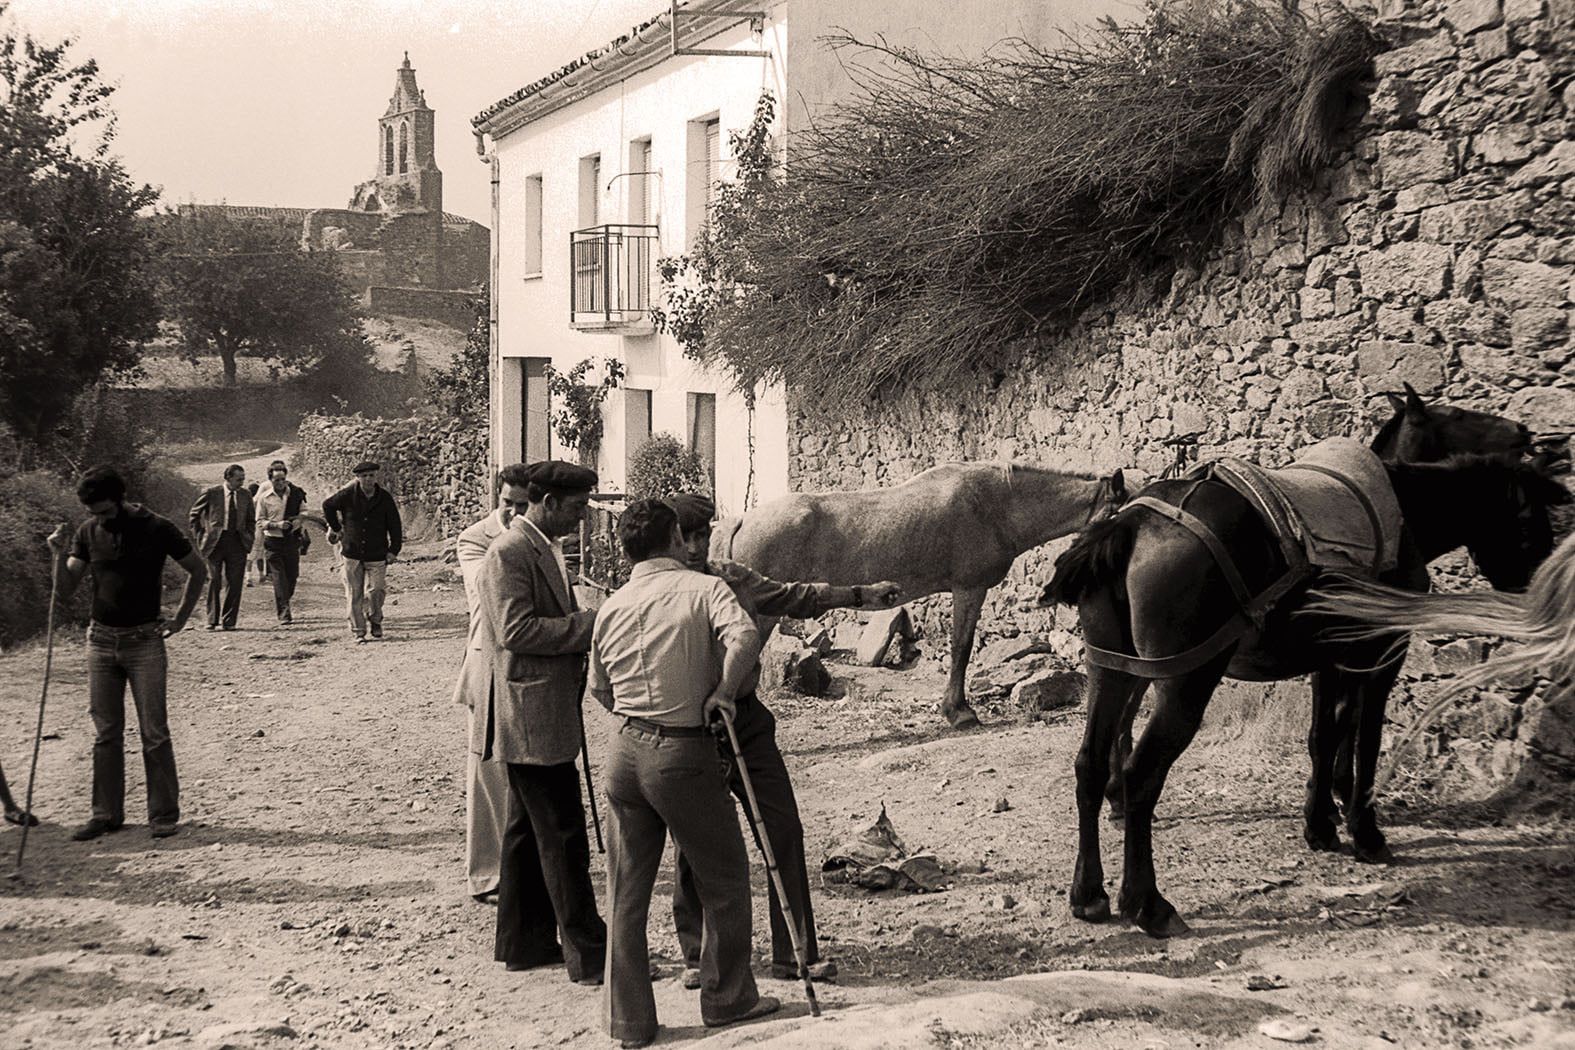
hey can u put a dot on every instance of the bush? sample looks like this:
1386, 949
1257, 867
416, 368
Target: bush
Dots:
950, 208
31, 505
663, 466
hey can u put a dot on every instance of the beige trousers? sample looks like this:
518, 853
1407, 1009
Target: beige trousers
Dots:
486, 813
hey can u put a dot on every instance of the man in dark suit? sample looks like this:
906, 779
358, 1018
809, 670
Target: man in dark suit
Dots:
224, 519
538, 638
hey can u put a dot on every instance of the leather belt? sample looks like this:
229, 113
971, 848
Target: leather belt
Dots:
647, 726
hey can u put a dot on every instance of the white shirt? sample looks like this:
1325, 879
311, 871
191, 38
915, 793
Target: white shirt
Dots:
557, 552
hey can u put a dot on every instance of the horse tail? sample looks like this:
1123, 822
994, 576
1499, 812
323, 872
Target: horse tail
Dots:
1098, 557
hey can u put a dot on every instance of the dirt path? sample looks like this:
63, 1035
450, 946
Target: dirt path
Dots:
315, 896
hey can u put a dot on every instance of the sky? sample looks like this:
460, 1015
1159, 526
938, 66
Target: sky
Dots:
275, 102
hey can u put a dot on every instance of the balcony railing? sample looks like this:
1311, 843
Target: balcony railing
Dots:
612, 266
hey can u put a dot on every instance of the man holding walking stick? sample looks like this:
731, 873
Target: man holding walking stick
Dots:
670, 651
125, 545
530, 719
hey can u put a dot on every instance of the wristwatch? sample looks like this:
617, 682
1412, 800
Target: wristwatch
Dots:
858, 596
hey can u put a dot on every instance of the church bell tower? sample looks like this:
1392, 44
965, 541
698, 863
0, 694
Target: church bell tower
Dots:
406, 178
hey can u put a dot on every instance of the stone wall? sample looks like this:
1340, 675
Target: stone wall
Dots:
455, 309
435, 468
1438, 252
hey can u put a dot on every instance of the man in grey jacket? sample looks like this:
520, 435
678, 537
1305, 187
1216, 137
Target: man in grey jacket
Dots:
538, 638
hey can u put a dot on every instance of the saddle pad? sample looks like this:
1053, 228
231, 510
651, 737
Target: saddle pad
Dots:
1338, 503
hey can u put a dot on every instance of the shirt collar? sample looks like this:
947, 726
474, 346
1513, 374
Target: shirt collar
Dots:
651, 566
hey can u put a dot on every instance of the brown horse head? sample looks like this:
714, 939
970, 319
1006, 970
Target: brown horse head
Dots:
1422, 433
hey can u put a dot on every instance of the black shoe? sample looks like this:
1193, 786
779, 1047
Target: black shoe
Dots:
636, 1044
213, 627
377, 630
767, 1004
96, 827
824, 970
164, 831
518, 967
593, 981
490, 897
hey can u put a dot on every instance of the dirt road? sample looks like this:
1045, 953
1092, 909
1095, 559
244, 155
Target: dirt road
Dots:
315, 895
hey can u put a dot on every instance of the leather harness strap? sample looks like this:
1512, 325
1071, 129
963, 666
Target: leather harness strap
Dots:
1193, 524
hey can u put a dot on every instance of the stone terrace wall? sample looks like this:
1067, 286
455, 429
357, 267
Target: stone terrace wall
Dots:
455, 309
1438, 253
435, 468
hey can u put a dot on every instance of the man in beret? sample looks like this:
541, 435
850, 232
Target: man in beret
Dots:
363, 518
486, 783
763, 598
538, 637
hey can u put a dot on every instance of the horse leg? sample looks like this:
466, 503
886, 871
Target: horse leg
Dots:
1109, 693
1361, 817
1324, 737
1120, 751
1178, 710
966, 605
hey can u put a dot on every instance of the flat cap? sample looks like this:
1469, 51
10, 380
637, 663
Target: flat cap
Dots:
694, 510
366, 466
558, 476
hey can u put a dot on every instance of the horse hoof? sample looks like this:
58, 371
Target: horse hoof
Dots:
1116, 815
1171, 925
961, 718
1380, 854
1322, 842
1097, 910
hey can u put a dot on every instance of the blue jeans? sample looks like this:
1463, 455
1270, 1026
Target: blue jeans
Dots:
116, 656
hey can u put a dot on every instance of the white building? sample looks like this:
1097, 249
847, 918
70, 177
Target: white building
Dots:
599, 170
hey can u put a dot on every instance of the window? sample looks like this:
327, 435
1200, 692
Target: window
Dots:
533, 226
702, 431
404, 148
388, 150
535, 407
636, 420
590, 190
703, 155
643, 205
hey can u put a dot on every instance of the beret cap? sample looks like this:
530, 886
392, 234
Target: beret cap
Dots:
366, 466
558, 476
694, 510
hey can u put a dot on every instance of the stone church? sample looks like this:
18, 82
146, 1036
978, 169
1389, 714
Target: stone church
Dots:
396, 244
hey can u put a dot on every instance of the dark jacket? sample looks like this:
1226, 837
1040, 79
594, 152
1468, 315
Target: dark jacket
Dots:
369, 526
207, 518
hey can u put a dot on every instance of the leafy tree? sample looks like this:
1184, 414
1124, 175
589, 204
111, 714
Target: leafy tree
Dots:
663, 466
76, 295
463, 386
240, 287
577, 419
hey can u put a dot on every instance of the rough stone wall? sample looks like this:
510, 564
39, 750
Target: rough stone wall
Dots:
455, 309
1437, 253
435, 468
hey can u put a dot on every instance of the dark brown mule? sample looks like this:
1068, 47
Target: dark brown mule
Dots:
1418, 432
1144, 585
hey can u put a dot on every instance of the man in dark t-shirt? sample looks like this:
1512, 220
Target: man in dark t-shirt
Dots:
125, 545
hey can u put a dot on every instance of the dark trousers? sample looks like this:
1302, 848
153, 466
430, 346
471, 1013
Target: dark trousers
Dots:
118, 656
226, 580
655, 785
544, 877
756, 727
284, 566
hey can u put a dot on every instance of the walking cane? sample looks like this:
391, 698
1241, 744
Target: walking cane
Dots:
794, 931
38, 733
590, 789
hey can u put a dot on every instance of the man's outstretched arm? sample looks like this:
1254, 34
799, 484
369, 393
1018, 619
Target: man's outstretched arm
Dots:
802, 601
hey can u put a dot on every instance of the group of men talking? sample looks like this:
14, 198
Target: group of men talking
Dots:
668, 654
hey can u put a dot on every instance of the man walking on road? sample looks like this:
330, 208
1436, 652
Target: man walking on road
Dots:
279, 505
125, 546
486, 783
223, 519
757, 737
364, 519
537, 637
671, 649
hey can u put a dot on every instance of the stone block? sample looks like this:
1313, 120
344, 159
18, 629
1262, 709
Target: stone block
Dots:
1411, 199
1503, 144
1006, 650
1539, 328
1457, 320
1386, 364
1462, 654
1518, 11
993, 681
1490, 45
787, 663
1465, 221
1517, 284
1317, 303
1545, 409
1467, 16
1414, 56
1302, 387
1409, 157
1556, 164
1049, 691
1441, 95
883, 629
1408, 268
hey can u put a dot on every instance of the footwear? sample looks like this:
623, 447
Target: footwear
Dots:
20, 817
360, 639
635, 1044
96, 827
691, 977
213, 627
164, 831
229, 627
555, 959
490, 897
592, 981
377, 630
767, 1004
824, 970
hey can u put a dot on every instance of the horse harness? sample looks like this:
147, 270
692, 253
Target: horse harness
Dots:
1283, 521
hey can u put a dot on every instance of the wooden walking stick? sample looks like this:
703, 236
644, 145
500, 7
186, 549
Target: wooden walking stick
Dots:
38, 732
585, 757
795, 931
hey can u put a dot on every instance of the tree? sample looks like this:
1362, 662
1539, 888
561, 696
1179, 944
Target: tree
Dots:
463, 387
76, 292
240, 287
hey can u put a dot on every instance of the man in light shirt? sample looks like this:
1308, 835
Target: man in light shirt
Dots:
279, 505
669, 652
486, 783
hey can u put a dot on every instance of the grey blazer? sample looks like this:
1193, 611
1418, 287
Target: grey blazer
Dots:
537, 639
